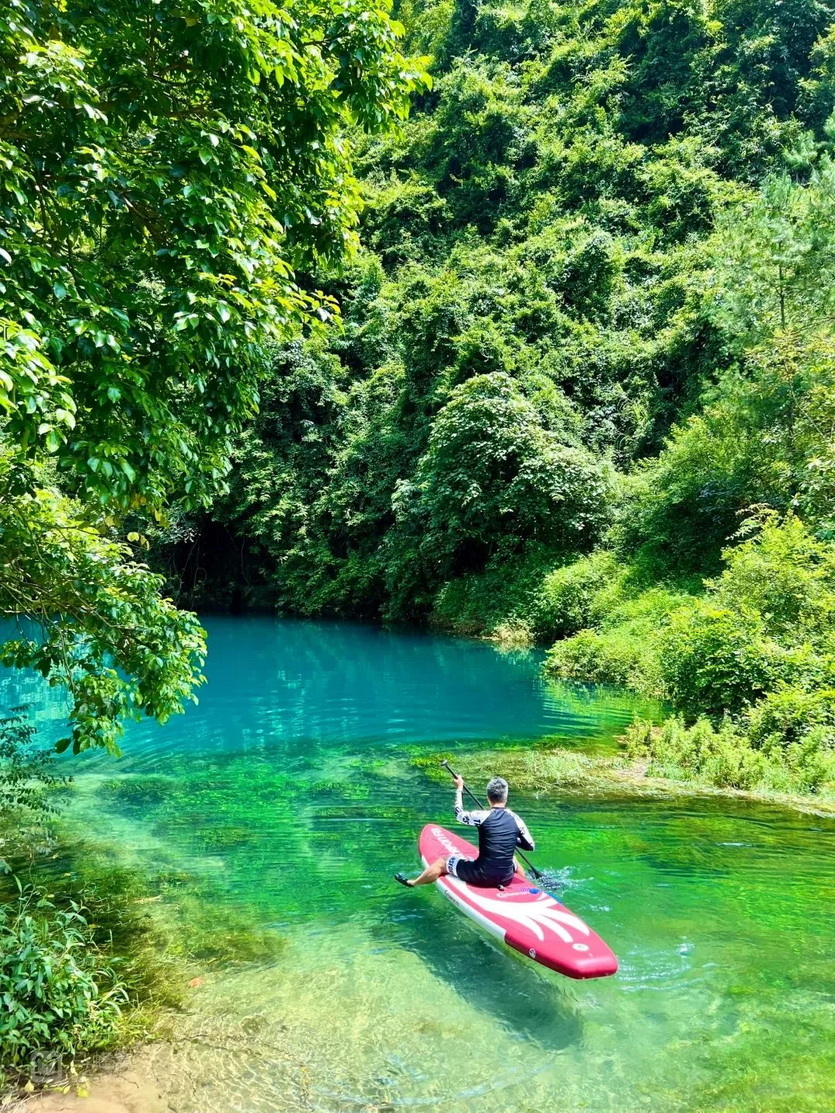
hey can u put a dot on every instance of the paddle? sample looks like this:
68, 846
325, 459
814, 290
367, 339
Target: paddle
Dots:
538, 874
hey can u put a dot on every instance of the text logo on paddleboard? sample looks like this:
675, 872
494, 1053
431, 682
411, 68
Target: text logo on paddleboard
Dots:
439, 834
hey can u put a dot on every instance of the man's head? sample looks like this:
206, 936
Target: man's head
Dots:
497, 790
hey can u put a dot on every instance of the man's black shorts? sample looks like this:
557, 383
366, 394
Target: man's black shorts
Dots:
467, 870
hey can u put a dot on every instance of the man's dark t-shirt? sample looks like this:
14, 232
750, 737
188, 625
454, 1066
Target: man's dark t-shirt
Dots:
500, 831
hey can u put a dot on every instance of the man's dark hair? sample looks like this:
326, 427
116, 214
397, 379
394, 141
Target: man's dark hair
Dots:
497, 790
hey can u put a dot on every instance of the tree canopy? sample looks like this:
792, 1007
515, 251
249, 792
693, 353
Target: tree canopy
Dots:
607, 235
170, 176
580, 356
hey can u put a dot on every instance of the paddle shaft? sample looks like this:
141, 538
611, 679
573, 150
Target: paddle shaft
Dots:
537, 873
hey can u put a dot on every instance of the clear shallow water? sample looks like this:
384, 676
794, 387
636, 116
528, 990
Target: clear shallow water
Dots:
286, 800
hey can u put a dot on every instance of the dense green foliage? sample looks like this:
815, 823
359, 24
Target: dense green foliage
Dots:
60, 999
562, 253
586, 340
727, 757
751, 661
61, 995
165, 174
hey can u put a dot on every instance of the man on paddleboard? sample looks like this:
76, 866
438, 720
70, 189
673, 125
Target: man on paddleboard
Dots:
500, 831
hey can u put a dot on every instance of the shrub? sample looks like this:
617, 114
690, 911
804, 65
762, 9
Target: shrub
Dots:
70, 959
726, 761
764, 624
578, 595
513, 634
702, 752
715, 661
59, 998
726, 757
810, 762
607, 657
761, 628
789, 714
624, 649
505, 595
784, 573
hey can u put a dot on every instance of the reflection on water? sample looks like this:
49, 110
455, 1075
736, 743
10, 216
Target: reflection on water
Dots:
287, 800
303, 688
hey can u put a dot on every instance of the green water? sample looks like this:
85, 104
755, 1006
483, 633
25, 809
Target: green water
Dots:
287, 799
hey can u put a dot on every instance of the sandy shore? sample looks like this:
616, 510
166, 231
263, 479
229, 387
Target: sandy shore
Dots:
129, 1086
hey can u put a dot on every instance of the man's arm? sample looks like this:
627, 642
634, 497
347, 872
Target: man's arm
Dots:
472, 819
523, 835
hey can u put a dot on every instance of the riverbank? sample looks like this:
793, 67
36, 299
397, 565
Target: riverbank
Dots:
123, 1085
551, 769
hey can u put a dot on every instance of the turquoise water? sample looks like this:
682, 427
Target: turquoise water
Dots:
281, 806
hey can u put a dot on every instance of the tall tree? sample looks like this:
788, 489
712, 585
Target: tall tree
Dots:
166, 171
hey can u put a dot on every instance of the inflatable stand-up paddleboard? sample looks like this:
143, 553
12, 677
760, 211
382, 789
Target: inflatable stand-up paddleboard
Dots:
522, 915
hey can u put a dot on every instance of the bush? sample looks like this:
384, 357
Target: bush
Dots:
69, 959
725, 761
578, 595
763, 626
505, 595
763, 438
784, 573
810, 762
725, 756
714, 661
702, 752
60, 1000
607, 657
787, 715
624, 649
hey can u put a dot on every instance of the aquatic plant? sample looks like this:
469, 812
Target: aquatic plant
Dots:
138, 790
209, 935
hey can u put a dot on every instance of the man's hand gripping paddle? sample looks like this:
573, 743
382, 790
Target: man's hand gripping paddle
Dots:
538, 874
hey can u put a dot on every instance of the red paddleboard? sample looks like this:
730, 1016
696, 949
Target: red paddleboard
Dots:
523, 916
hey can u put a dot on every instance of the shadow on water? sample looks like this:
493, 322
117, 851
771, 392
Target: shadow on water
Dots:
527, 1002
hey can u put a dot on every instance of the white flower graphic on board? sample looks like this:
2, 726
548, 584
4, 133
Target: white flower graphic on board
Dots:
543, 913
